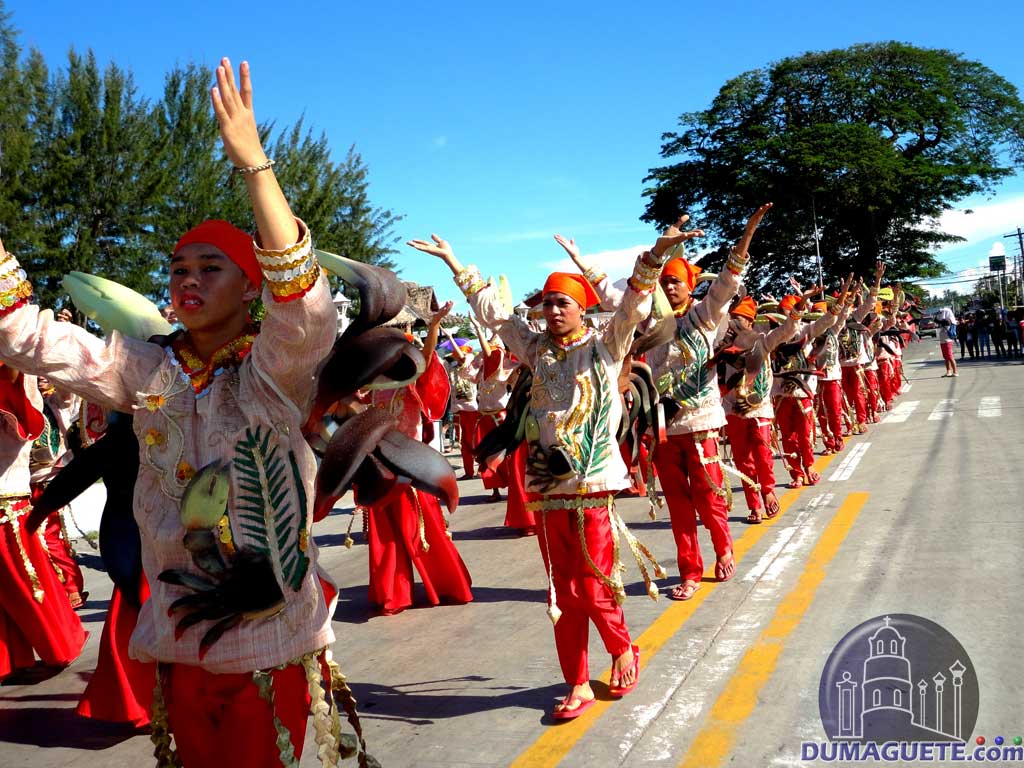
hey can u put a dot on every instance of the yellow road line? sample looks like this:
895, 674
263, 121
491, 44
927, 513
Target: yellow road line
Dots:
716, 738
556, 741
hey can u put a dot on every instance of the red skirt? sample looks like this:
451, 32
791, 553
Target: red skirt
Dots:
395, 547
121, 688
497, 477
516, 515
48, 625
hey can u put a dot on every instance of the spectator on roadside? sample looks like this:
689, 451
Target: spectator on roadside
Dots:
999, 336
947, 332
982, 332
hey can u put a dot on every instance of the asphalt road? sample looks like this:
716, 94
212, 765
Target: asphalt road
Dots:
920, 516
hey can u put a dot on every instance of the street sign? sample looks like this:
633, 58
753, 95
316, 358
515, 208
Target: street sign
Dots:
997, 263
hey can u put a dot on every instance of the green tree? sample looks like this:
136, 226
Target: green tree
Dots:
875, 141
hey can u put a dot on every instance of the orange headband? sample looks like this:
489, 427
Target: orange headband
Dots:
788, 302
236, 245
746, 308
683, 271
575, 287
820, 306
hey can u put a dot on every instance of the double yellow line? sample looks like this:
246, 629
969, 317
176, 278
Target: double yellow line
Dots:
556, 742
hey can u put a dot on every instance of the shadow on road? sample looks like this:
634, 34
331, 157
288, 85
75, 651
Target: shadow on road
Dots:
424, 702
49, 727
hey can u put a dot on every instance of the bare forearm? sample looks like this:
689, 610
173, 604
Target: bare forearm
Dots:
274, 220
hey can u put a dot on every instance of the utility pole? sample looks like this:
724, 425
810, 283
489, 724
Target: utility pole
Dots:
1018, 262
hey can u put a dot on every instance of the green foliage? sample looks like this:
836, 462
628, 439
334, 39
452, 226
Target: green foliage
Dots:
96, 178
877, 140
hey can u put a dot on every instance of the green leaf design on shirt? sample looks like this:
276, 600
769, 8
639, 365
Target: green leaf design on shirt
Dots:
693, 382
265, 510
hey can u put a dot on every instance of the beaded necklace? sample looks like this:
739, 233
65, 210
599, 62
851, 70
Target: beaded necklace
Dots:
227, 357
572, 340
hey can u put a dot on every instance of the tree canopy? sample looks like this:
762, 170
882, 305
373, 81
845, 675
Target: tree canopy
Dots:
97, 178
875, 140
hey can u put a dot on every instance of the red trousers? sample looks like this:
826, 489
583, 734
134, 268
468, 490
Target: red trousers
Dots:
61, 555
830, 417
581, 596
751, 441
854, 390
795, 417
50, 627
871, 396
516, 515
497, 477
467, 433
394, 542
220, 720
897, 375
692, 488
121, 688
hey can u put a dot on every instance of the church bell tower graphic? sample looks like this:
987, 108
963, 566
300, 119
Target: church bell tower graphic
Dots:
898, 678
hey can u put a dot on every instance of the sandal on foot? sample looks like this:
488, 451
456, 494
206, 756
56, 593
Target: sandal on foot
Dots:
754, 518
722, 568
684, 591
771, 508
571, 707
813, 478
618, 691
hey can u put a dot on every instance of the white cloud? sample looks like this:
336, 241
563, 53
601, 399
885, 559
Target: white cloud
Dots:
998, 249
981, 222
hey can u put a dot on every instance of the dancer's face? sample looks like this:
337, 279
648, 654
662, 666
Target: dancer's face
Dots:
208, 290
676, 290
562, 313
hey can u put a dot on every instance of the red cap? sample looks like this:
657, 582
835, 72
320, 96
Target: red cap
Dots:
746, 308
236, 245
575, 287
789, 301
683, 270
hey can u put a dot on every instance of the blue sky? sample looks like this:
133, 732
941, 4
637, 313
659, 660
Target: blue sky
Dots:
499, 125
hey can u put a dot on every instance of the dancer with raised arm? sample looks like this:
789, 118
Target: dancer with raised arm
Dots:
574, 467
237, 618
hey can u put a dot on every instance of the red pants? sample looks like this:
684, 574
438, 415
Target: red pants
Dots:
394, 541
854, 390
121, 688
62, 557
497, 477
871, 396
831, 414
50, 628
751, 441
897, 375
581, 596
516, 515
638, 478
220, 720
794, 416
467, 433
885, 376
690, 489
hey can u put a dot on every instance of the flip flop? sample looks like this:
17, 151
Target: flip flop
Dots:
569, 711
684, 591
720, 568
618, 691
754, 518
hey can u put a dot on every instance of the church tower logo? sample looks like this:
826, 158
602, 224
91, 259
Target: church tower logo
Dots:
898, 678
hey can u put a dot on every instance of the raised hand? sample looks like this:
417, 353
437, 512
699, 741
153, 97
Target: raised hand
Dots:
442, 313
65, 316
752, 224
440, 248
879, 271
233, 108
570, 247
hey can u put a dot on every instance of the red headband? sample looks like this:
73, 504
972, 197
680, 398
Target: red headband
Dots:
746, 308
236, 245
683, 270
575, 287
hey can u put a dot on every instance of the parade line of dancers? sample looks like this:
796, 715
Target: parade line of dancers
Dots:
223, 442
